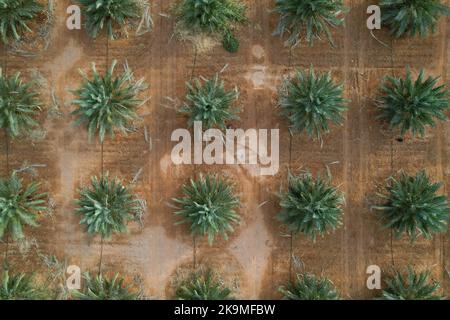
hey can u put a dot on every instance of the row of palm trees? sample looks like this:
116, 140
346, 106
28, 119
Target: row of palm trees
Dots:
109, 103
205, 284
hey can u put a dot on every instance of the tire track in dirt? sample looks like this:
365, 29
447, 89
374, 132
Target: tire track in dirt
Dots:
5, 242
291, 240
195, 172
326, 256
4, 156
356, 150
348, 53
252, 243
440, 146
444, 155
78, 158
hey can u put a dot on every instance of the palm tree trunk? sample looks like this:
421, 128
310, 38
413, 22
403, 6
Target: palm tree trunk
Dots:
194, 64
7, 151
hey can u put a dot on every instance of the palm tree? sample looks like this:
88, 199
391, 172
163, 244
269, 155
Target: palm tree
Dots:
108, 103
411, 206
107, 206
309, 287
412, 286
412, 17
311, 206
311, 101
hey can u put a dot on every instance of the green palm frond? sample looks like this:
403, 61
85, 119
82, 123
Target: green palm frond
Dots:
209, 205
18, 287
103, 287
412, 17
311, 206
19, 105
109, 14
308, 20
230, 42
309, 287
20, 206
212, 17
15, 16
203, 286
210, 103
108, 103
311, 101
411, 105
107, 206
412, 286
412, 206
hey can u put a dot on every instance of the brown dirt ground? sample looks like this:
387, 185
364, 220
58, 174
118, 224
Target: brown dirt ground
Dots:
360, 155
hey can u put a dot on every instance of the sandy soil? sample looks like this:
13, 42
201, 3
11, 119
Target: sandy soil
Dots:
260, 254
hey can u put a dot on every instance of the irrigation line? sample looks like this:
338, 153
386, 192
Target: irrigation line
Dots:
392, 248
194, 64
102, 166
392, 172
392, 153
290, 57
102, 142
5, 61
291, 245
101, 257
